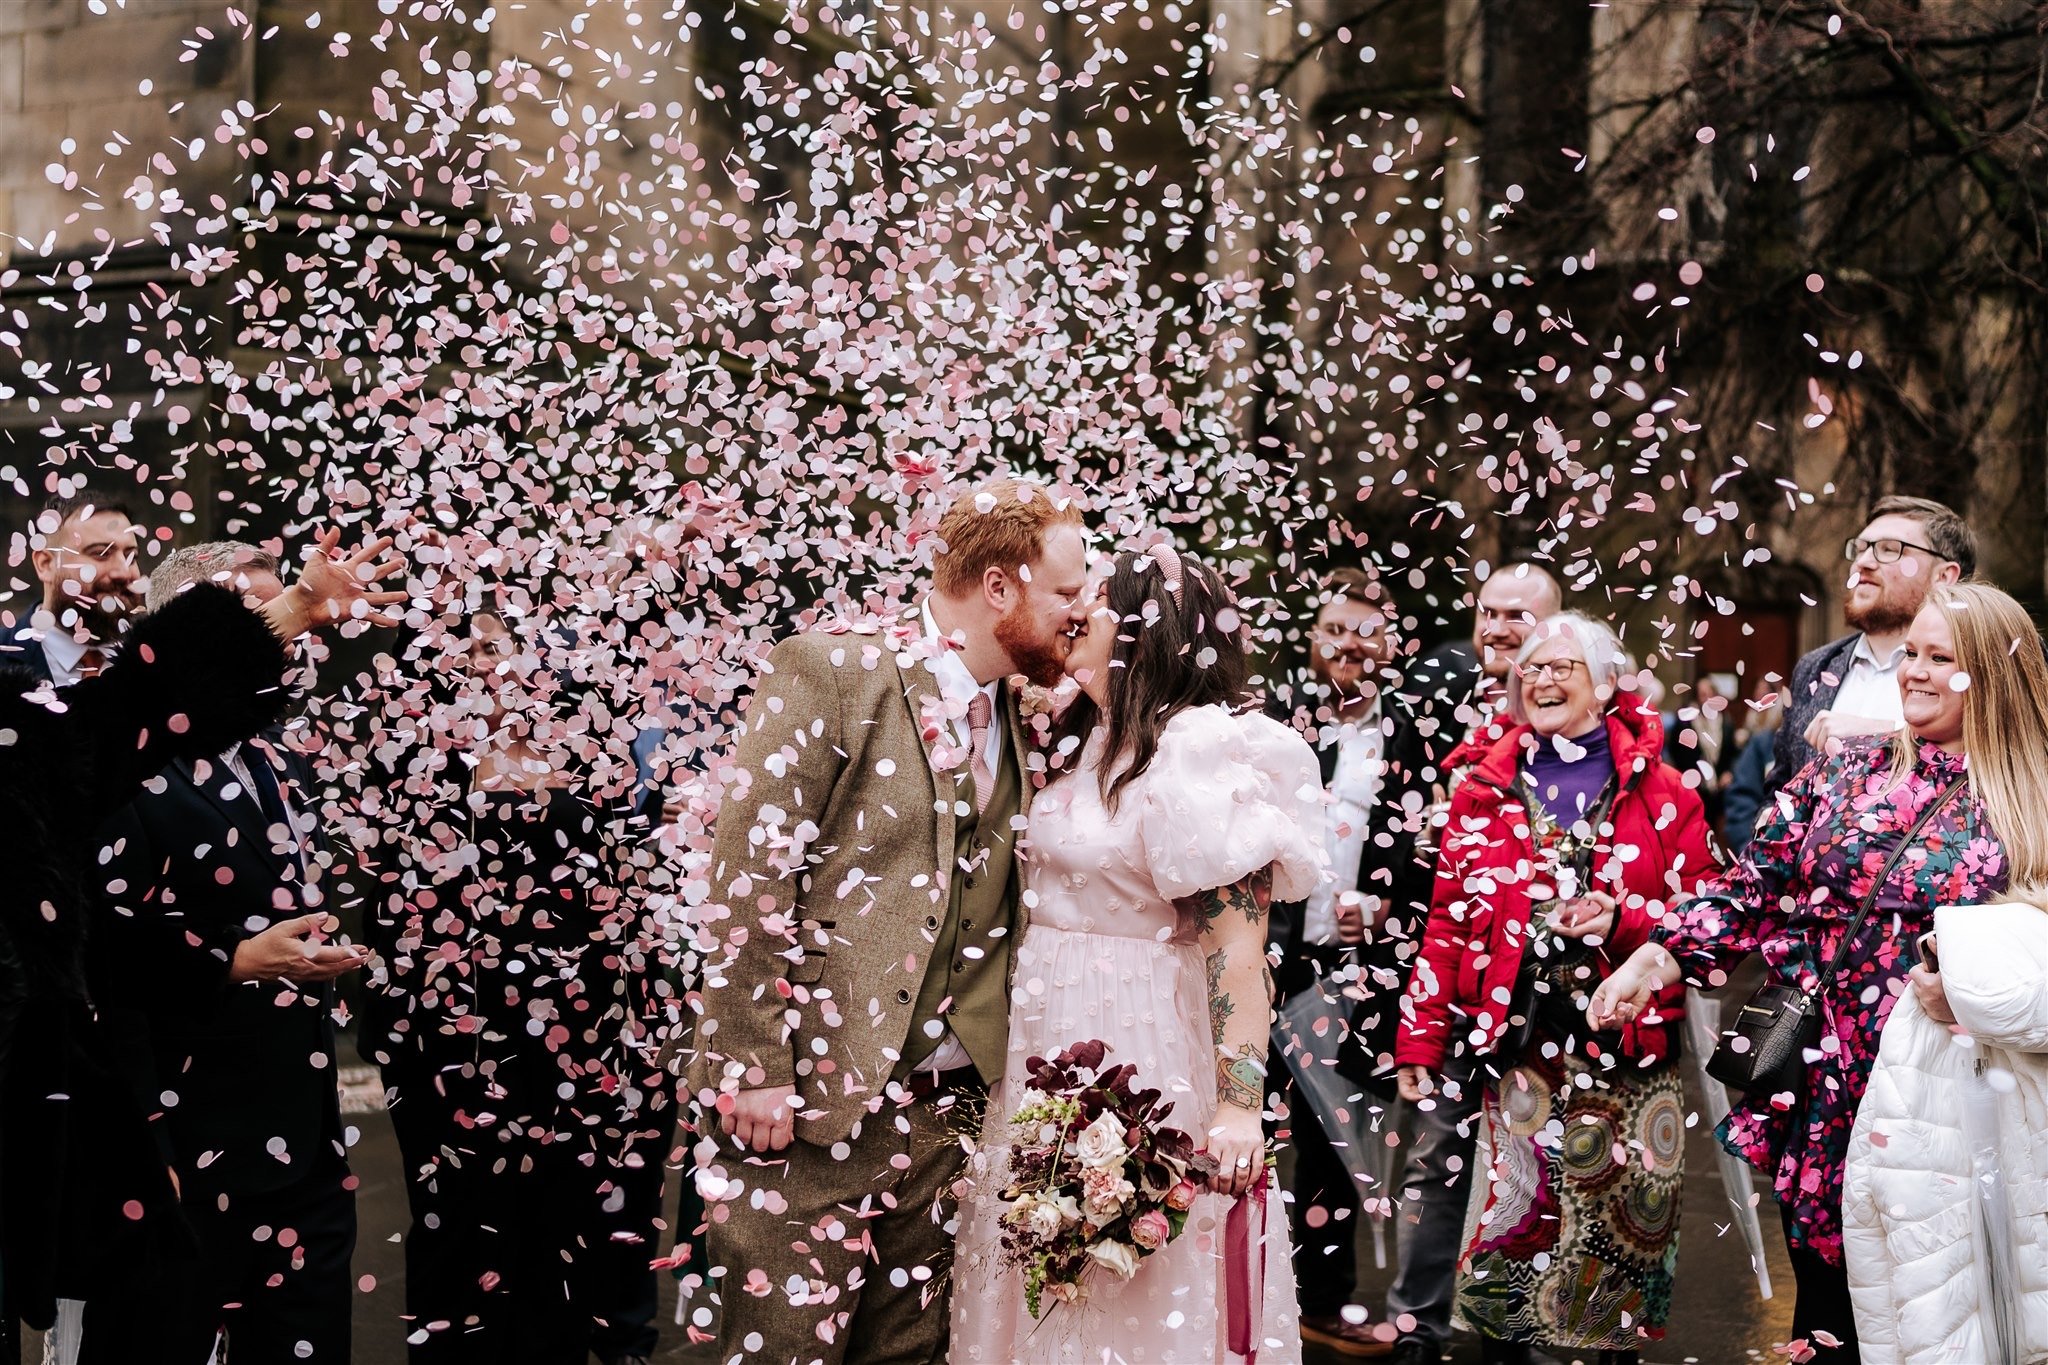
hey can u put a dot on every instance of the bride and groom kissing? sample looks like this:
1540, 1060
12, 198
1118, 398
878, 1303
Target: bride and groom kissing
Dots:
914, 892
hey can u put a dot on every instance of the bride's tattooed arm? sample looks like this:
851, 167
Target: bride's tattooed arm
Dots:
1247, 898
1233, 920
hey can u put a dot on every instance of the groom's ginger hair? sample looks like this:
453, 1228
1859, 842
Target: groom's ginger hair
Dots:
1010, 533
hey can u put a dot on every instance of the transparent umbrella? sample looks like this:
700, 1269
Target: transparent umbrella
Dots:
1308, 1030
1703, 1025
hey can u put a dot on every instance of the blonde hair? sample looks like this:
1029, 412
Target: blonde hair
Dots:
2005, 720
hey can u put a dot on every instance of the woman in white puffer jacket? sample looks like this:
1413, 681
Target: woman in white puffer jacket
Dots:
1938, 1272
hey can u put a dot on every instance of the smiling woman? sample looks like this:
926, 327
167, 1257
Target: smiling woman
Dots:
1563, 847
1564, 676
1955, 787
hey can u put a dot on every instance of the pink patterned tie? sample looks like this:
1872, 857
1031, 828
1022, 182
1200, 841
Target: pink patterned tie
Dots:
980, 712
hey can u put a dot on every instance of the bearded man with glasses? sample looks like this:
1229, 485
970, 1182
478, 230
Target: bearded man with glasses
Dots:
1850, 687
1355, 935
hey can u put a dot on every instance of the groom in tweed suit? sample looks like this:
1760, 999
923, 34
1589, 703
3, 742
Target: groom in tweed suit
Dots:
865, 886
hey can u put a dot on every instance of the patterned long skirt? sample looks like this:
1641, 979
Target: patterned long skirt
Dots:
1577, 1235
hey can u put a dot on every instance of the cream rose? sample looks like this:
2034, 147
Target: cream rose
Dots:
1116, 1256
1044, 1220
1101, 1144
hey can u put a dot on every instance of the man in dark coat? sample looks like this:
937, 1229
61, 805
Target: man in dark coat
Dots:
1437, 1163
87, 1208
1850, 687
1353, 940
222, 1011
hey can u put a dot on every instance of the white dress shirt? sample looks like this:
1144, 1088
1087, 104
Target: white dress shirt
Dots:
237, 762
1354, 791
1871, 687
61, 652
957, 685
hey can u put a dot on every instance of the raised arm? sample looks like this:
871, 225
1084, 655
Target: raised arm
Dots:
202, 672
1233, 940
192, 678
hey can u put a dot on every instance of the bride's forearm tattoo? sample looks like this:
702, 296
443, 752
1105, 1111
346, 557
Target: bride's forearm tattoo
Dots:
1240, 987
1241, 1078
1221, 1007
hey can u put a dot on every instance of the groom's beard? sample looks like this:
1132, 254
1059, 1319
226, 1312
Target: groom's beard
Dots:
1042, 661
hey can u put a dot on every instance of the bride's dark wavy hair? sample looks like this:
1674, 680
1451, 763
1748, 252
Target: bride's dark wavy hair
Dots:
1167, 657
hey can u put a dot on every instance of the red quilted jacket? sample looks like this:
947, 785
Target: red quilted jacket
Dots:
1464, 977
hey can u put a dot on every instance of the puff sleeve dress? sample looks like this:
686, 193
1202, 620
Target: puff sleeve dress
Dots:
1107, 956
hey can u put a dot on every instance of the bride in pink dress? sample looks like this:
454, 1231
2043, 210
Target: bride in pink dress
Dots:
1150, 860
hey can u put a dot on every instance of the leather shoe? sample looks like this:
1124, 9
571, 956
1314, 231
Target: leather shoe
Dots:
1351, 1338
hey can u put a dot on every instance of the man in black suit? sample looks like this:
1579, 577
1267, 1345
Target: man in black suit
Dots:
208, 965
1462, 705
1850, 687
84, 551
1358, 933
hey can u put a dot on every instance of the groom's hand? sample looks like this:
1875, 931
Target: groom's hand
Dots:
764, 1119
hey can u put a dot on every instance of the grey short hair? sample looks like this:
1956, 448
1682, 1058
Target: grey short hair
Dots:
1599, 646
211, 561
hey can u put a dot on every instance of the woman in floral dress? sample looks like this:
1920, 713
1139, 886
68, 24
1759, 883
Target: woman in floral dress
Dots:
1800, 881
1565, 844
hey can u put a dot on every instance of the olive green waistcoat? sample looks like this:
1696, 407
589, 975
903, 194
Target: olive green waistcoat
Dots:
981, 914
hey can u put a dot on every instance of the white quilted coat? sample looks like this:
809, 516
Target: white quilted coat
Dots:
1911, 1233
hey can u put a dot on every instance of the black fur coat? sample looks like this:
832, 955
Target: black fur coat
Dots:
82, 1196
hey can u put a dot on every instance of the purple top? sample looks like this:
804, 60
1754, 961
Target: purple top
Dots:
1568, 786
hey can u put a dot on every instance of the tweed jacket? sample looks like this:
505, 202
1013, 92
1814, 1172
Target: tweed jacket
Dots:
1815, 681
832, 866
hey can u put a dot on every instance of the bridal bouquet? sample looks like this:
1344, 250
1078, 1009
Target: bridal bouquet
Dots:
1096, 1178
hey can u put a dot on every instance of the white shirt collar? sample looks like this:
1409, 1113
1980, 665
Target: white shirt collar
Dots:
61, 651
1863, 653
1339, 727
1371, 718
956, 680
64, 654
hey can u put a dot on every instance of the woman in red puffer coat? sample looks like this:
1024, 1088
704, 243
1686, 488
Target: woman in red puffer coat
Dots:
1564, 845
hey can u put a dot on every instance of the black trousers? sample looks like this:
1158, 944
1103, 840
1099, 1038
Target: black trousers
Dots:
1821, 1302
283, 1297
1324, 1214
271, 1270
528, 1254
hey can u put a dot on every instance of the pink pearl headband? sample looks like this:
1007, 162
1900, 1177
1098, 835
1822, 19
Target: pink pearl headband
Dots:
1168, 561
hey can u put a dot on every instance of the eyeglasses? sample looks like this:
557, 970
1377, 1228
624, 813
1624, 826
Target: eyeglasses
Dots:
1330, 630
1557, 670
1886, 551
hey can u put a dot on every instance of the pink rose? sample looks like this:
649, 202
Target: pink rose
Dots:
1150, 1230
1181, 1197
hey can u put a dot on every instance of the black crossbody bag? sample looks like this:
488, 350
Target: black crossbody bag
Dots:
1765, 1048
